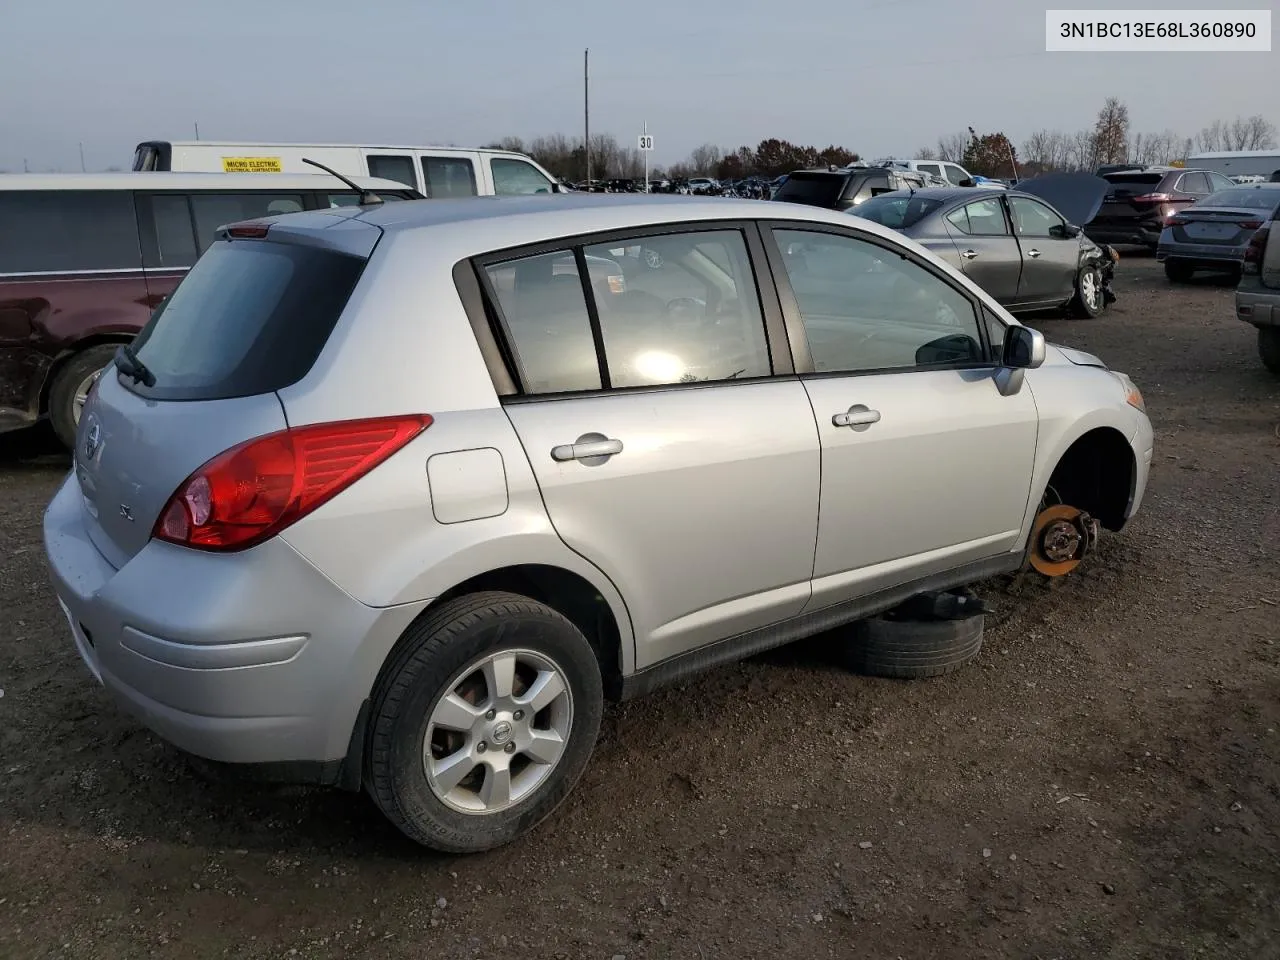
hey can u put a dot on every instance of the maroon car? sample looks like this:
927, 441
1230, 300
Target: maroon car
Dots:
84, 259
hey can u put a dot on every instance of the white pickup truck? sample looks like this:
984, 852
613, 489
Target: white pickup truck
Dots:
1258, 294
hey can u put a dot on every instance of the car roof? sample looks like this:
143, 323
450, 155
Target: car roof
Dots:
286, 145
476, 225
187, 181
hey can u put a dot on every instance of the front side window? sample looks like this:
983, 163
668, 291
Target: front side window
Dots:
865, 308
214, 210
448, 177
1218, 182
397, 168
513, 177
54, 231
1033, 219
954, 173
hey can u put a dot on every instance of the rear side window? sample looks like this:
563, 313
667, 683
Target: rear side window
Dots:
1194, 183
898, 212
214, 210
250, 317
52, 231
399, 169
445, 177
516, 177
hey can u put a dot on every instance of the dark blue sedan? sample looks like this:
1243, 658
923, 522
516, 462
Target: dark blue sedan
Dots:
1213, 233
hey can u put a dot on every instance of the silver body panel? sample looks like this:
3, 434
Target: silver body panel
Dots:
731, 507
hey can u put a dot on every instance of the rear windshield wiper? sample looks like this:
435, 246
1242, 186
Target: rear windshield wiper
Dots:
127, 362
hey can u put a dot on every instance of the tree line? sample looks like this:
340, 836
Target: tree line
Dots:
1110, 140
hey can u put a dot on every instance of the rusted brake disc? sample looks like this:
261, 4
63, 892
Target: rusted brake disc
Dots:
1060, 538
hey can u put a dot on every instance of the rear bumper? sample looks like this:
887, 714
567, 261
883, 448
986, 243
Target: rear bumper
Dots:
1139, 234
1257, 305
250, 658
1210, 255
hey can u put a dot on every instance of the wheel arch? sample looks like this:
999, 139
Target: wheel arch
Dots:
1096, 471
69, 354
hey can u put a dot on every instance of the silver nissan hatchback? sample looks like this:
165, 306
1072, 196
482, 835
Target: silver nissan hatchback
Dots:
395, 496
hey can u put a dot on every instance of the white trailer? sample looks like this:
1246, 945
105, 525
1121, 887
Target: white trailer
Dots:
1237, 163
438, 172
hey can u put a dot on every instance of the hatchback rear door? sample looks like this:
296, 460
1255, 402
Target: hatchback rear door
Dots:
249, 319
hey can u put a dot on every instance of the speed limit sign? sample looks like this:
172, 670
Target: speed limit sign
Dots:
645, 141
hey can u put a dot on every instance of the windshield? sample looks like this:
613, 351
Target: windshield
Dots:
1256, 199
249, 318
897, 212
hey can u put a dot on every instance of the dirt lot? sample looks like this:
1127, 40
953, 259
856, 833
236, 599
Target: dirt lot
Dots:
1103, 782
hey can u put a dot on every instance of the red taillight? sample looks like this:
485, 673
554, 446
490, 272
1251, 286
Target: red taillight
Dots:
248, 231
253, 491
1253, 251
1173, 220
1153, 198
1250, 224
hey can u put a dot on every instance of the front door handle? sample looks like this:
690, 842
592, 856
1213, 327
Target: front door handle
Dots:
1033, 253
590, 448
859, 415
968, 254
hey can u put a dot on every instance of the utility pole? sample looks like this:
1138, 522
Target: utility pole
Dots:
82, 166
586, 110
26, 168
645, 141
197, 129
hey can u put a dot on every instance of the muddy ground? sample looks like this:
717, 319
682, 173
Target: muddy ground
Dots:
1103, 782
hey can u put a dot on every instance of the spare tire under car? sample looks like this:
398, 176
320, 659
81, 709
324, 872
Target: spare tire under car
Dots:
912, 643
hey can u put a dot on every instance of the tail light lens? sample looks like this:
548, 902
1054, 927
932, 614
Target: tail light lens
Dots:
253, 491
1153, 198
1173, 220
1254, 250
1250, 224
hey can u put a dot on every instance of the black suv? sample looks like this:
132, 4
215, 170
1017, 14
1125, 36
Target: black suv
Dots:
844, 188
1140, 201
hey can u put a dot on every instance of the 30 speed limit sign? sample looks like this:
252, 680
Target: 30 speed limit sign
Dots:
645, 141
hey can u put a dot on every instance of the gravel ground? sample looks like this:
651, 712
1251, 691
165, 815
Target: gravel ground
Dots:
1102, 782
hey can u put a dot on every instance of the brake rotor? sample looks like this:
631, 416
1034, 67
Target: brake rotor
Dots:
1060, 538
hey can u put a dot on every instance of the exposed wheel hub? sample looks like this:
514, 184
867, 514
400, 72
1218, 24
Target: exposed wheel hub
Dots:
1060, 538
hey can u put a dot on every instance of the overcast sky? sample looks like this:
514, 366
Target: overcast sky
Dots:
878, 76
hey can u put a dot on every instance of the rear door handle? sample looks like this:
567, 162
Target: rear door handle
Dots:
589, 446
859, 415
1033, 253
968, 254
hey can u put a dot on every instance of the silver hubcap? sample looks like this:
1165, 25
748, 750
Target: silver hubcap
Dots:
82, 394
1089, 289
498, 731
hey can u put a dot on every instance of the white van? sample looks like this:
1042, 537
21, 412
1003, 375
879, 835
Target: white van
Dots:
1238, 163
437, 172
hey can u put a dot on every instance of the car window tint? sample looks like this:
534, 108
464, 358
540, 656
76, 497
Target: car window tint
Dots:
954, 173
514, 177
986, 218
399, 169
43, 231
1032, 218
445, 177
175, 231
867, 308
544, 311
214, 210
929, 168
996, 330
692, 318
1196, 183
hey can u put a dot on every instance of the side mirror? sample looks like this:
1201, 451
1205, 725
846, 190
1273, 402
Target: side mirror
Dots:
1024, 349
1065, 231
967, 182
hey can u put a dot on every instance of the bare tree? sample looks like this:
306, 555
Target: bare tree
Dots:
951, 147
1081, 151
1111, 132
1212, 137
706, 158
925, 153
1045, 150
1250, 133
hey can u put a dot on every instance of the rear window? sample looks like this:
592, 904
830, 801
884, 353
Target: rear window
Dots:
1128, 184
250, 317
816, 189
66, 231
896, 212
1258, 199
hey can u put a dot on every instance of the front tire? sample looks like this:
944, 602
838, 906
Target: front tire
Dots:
1088, 299
70, 389
1269, 348
483, 723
